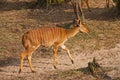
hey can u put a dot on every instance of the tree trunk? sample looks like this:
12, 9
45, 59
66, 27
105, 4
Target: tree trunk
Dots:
117, 2
77, 7
46, 3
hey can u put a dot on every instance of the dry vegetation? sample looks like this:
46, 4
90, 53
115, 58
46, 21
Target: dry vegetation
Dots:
103, 41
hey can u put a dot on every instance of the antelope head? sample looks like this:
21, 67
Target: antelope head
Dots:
82, 27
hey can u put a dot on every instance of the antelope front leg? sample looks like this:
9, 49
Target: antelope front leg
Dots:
68, 52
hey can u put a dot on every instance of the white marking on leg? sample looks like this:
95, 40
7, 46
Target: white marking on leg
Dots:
68, 52
63, 46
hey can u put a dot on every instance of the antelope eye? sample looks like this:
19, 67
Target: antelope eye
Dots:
77, 25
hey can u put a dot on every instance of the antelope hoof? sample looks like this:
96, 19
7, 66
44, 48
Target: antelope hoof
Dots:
55, 67
72, 61
33, 71
19, 71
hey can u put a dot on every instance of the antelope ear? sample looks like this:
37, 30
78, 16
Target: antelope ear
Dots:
77, 21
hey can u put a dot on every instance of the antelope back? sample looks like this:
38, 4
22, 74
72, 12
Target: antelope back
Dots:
45, 36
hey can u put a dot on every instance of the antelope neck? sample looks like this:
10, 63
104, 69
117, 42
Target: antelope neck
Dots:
72, 32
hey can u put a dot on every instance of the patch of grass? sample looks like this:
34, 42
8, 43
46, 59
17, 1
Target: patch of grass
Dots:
65, 75
6, 39
2, 48
116, 78
68, 73
71, 75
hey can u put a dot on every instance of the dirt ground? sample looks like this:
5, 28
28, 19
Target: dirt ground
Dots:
103, 41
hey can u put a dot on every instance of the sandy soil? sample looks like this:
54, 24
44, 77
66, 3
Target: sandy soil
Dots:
11, 15
43, 66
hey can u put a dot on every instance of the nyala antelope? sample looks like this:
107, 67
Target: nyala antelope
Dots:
48, 36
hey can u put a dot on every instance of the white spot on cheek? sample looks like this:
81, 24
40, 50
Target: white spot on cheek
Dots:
34, 47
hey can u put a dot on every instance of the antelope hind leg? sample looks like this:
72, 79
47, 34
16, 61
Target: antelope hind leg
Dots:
55, 55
